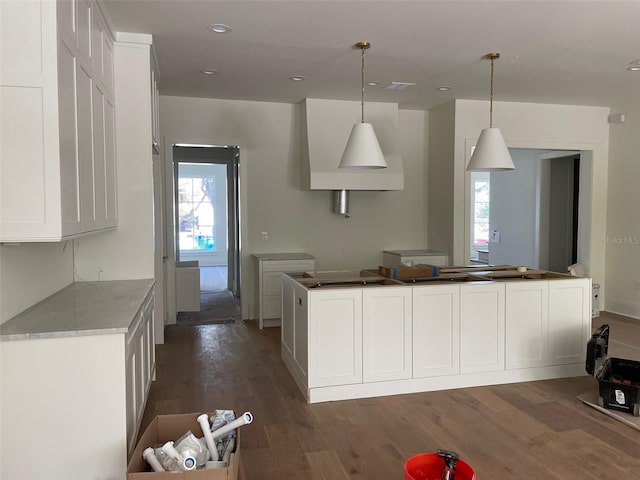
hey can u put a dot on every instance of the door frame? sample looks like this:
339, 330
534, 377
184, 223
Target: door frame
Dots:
169, 205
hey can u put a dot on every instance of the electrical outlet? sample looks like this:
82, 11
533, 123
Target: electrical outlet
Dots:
264, 235
495, 236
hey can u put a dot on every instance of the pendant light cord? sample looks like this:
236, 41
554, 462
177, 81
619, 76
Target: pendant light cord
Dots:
491, 97
362, 85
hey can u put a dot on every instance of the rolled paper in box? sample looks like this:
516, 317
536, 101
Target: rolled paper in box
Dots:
245, 419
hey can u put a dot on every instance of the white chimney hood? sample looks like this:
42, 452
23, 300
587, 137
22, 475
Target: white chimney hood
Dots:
326, 125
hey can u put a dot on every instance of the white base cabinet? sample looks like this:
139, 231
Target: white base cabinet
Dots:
569, 305
386, 334
269, 266
436, 330
335, 337
391, 258
341, 343
482, 327
527, 324
71, 403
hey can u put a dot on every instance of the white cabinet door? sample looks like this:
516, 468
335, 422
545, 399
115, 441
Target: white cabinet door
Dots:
335, 336
436, 330
569, 320
287, 324
110, 163
133, 379
386, 334
50, 67
301, 331
527, 324
482, 327
69, 201
99, 160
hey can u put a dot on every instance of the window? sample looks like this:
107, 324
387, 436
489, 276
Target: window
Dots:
196, 199
480, 193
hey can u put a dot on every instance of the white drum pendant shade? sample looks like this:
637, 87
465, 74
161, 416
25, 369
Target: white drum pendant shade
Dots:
491, 153
363, 149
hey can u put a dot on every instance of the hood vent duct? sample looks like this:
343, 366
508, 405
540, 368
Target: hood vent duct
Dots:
341, 202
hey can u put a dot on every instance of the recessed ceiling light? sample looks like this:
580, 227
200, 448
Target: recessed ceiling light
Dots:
373, 84
297, 78
634, 69
219, 28
399, 85
444, 89
209, 71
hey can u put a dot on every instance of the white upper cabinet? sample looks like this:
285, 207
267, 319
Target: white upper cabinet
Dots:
57, 155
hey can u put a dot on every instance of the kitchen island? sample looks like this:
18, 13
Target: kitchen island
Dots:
356, 334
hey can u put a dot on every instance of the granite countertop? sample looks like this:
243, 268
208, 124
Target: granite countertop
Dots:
283, 256
425, 252
82, 308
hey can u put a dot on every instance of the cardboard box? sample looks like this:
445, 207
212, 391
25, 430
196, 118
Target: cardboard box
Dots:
171, 427
415, 271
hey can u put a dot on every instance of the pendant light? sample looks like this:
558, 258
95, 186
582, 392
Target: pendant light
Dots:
363, 150
491, 153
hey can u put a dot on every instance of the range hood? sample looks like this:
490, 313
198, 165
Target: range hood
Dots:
326, 125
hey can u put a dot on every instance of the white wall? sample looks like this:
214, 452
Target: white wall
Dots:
268, 135
528, 125
31, 272
440, 178
512, 212
623, 217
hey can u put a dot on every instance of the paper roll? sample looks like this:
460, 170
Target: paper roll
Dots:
522, 269
245, 419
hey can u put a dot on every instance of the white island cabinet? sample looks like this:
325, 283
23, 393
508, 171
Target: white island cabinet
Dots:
482, 327
369, 338
57, 155
569, 305
76, 370
527, 324
335, 337
436, 330
386, 334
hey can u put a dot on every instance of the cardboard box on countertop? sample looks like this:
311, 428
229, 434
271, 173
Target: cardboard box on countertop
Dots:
171, 427
401, 271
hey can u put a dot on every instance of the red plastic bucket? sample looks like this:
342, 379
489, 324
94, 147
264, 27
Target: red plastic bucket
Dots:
428, 466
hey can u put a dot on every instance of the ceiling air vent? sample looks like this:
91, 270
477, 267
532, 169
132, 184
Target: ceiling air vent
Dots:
399, 85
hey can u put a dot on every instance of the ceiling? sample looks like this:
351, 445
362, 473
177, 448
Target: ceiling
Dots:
567, 52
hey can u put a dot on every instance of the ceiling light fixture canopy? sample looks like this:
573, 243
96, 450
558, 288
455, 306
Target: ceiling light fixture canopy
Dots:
363, 150
491, 152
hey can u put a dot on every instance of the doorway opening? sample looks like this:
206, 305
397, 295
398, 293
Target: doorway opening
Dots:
529, 216
207, 233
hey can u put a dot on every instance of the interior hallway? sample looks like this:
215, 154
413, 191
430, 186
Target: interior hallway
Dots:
217, 304
530, 430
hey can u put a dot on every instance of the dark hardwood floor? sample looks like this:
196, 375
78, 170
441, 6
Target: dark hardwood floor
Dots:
531, 430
